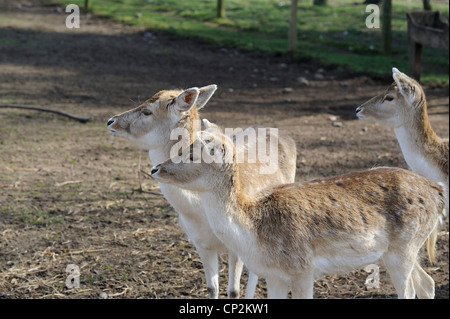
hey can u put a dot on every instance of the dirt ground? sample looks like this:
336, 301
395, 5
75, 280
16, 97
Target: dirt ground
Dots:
70, 193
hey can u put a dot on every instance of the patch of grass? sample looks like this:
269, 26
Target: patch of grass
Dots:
334, 35
9, 42
39, 218
107, 267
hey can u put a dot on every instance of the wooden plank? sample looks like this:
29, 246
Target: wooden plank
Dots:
434, 38
424, 28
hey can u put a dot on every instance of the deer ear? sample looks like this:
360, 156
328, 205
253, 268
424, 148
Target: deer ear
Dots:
210, 127
186, 100
206, 123
406, 86
224, 151
205, 94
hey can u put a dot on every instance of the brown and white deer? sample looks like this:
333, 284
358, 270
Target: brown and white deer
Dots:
293, 233
150, 127
403, 107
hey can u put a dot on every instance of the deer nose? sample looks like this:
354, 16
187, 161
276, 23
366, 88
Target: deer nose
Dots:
110, 121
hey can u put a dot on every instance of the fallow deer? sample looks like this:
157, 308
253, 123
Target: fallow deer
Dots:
150, 126
403, 107
293, 233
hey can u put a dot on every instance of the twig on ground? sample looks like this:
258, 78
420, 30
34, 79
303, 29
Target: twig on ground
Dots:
27, 107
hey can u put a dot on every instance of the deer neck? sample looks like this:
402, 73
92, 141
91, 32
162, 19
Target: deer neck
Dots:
182, 200
414, 138
229, 211
162, 152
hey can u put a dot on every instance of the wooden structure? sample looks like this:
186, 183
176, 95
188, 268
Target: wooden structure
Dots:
293, 26
424, 28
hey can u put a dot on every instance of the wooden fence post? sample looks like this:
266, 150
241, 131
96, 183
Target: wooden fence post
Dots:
426, 5
293, 26
415, 59
386, 29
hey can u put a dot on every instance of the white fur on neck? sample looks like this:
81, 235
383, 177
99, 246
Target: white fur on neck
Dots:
190, 210
158, 155
414, 155
242, 242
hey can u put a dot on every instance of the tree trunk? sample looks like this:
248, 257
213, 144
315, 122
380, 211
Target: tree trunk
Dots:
293, 26
372, 2
221, 8
427, 5
386, 30
87, 5
320, 2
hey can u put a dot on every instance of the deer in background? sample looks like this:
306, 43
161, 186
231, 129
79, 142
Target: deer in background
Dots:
293, 233
403, 107
150, 125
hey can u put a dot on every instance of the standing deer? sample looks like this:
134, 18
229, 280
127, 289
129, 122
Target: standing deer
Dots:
403, 106
150, 125
293, 233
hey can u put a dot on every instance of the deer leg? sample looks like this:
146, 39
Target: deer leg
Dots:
303, 286
400, 266
276, 289
251, 286
423, 283
210, 260
235, 266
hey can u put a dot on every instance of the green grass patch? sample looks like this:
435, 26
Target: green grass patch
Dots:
333, 35
39, 218
4, 41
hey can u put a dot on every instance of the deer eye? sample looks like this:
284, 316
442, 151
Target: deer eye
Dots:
147, 112
389, 98
172, 102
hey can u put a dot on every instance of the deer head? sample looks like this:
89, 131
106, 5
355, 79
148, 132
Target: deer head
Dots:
201, 166
398, 105
149, 125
